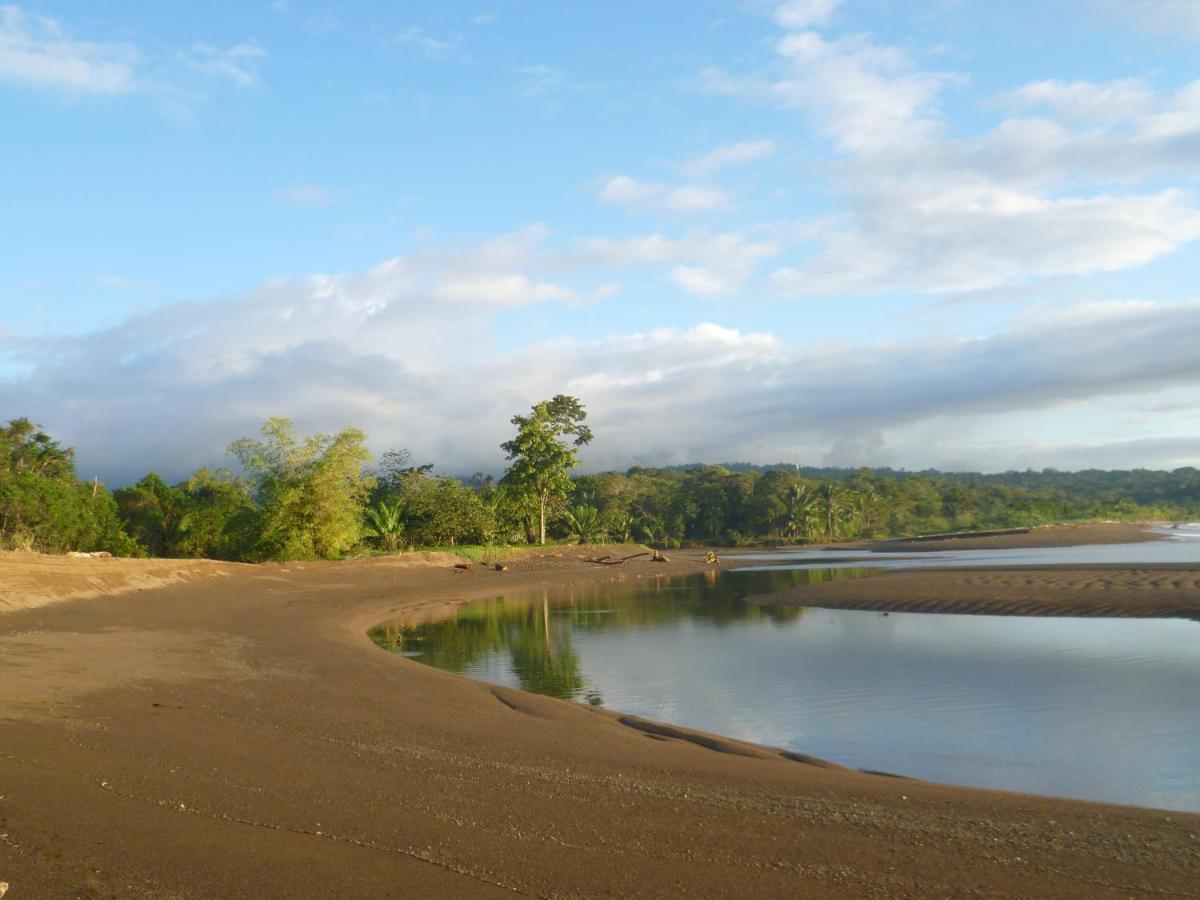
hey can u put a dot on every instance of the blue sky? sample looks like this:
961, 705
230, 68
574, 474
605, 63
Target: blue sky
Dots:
956, 234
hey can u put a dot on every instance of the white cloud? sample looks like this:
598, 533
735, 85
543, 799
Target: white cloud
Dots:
238, 63
806, 13
511, 289
1175, 17
1084, 101
606, 290
1041, 195
38, 51
539, 79
629, 191
702, 264
622, 190
121, 283
305, 195
407, 351
437, 48
41, 52
700, 280
694, 198
726, 155
970, 236
865, 97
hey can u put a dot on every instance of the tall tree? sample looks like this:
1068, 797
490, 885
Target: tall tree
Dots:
222, 521
544, 452
27, 450
44, 506
312, 492
831, 498
386, 523
152, 511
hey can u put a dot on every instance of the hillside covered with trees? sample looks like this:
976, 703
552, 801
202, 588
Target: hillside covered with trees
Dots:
321, 497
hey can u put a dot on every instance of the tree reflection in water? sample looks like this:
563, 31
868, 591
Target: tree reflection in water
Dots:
535, 636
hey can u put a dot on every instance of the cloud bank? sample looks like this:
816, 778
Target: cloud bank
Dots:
408, 351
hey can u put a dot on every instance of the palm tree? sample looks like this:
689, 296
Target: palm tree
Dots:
651, 529
583, 522
831, 501
620, 527
850, 515
386, 522
867, 502
860, 509
800, 500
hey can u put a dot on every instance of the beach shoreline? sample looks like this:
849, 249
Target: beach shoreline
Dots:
240, 735
1108, 590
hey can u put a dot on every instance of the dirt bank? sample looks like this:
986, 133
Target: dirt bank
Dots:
238, 736
1043, 536
30, 580
1113, 591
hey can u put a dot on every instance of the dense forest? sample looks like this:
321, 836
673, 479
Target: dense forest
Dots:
321, 497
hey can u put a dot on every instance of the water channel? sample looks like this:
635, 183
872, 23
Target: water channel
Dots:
1101, 709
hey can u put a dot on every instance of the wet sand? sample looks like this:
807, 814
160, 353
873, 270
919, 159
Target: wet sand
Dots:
1109, 590
238, 735
1100, 590
1043, 536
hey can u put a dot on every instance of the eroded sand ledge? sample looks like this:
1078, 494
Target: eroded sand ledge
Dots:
1102, 590
1098, 590
286, 756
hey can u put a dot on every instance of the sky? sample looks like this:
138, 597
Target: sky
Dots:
955, 234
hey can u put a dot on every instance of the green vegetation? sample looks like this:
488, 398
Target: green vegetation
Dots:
44, 506
536, 637
542, 456
311, 492
316, 497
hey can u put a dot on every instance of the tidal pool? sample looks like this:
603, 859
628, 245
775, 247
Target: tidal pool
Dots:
1099, 709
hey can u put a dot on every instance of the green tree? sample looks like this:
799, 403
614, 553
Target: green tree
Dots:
312, 492
445, 511
544, 452
831, 499
799, 503
583, 523
27, 450
44, 506
152, 512
617, 525
221, 521
385, 522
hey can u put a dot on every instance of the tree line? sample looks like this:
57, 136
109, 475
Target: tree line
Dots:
320, 496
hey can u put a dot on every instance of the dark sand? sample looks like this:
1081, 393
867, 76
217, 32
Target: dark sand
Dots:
1109, 590
1044, 536
1100, 590
239, 736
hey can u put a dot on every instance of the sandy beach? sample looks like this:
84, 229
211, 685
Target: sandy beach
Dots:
1109, 590
180, 729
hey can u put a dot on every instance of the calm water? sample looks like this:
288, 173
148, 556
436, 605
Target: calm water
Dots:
1178, 545
1102, 709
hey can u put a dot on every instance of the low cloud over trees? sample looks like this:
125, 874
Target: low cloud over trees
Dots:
319, 497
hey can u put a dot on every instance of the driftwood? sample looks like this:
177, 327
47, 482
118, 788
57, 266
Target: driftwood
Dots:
501, 567
607, 559
463, 567
712, 558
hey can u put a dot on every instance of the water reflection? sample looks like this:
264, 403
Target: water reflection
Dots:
1103, 709
528, 640
1178, 546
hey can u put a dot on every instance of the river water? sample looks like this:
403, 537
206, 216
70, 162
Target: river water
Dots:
1100, 709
